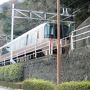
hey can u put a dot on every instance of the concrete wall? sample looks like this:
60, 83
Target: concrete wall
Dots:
75, 66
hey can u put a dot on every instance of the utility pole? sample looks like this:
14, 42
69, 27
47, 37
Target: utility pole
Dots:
58, 43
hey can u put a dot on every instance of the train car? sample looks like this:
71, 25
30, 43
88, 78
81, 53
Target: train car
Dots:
25, 44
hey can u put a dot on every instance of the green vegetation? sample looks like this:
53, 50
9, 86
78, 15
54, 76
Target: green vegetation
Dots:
82, 8
38, 85
46, 85
74, 86
12, 72
23, 25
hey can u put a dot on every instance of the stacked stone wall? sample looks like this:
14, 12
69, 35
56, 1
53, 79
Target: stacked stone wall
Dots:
75, 66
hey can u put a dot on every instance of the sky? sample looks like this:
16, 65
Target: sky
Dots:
3, 1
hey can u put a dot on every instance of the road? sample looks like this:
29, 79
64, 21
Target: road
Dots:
4, 88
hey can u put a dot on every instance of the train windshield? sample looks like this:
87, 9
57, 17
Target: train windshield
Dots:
50, 31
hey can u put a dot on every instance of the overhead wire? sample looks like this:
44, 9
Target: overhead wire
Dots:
76, 11
81, 7
69, 6
72, 3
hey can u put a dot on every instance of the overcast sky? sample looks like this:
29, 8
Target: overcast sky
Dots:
3, 1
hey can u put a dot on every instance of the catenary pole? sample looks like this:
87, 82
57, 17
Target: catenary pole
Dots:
58, 44
12, 27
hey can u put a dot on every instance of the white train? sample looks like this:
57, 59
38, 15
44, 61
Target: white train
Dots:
37, 35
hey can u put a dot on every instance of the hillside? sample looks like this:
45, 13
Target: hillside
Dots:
22, 26
1, 28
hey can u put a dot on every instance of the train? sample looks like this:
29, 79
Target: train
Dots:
24, 45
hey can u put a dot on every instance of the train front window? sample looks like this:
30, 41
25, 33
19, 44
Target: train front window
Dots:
64, 30
51, 31
46, 31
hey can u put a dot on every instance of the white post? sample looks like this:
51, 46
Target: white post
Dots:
12, 26
65, 41
49, 48
4, 62
52, 47
35, 48
61, 43
46, 52
72, 45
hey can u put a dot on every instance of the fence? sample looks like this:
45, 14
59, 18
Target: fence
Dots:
80, 37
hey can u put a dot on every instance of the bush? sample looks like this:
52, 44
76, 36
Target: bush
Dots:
74, 86
38, 85
12, 72
1, 73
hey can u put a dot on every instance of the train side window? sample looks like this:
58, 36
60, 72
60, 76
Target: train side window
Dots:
52, 31
27, 39
46, 31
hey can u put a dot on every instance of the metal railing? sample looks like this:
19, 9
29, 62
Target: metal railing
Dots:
47, 47
79, 35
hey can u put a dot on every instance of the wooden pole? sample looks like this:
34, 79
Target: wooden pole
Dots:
58, 43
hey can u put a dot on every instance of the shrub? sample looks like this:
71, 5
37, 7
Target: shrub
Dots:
74, 86
1, 73
12, 72
16, 72
38, 85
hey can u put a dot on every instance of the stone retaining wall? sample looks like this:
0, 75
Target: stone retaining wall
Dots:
75, 66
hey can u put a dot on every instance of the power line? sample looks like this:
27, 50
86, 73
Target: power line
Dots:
72, 3
81, 7
76, 11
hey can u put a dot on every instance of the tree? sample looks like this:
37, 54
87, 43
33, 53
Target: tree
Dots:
80, 7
